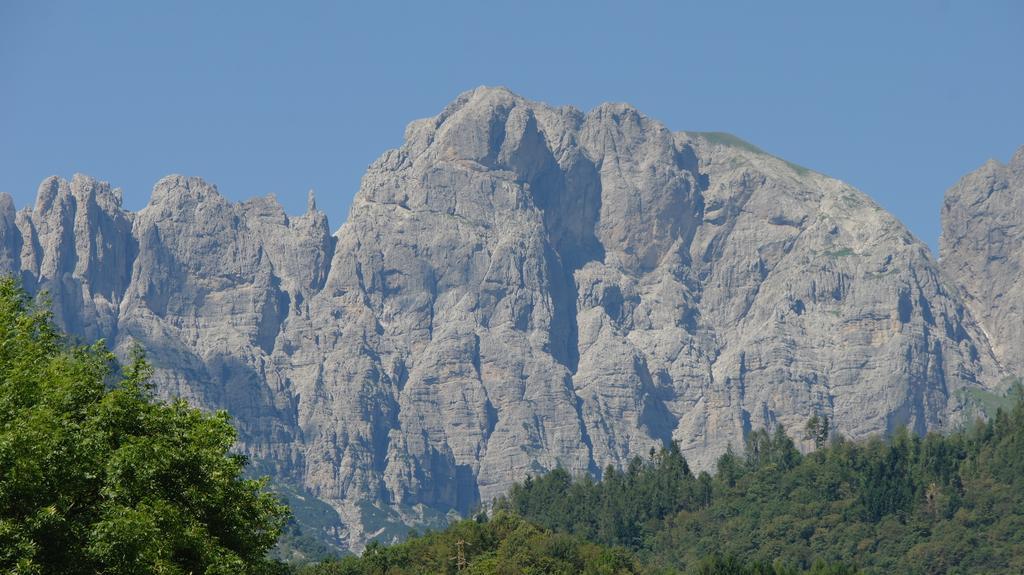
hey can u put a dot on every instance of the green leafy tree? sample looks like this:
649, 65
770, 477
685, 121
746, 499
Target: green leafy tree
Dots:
97, 476
504, 544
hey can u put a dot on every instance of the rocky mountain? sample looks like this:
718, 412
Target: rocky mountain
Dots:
982, 251
520, 287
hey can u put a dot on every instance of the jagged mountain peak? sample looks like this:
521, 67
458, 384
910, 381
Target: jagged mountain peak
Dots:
982, 251
82, 188
176, 189
7, 205
1017, 161
520, 287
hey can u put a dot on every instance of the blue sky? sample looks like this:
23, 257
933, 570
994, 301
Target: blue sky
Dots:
897, 98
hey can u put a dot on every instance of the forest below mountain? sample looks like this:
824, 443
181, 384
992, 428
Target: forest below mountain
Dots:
908, 504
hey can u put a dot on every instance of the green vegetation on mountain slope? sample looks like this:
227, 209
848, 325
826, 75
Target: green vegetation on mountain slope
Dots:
937, 504
96, 476
507, 544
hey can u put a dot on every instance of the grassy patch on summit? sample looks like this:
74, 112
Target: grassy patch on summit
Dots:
732, 141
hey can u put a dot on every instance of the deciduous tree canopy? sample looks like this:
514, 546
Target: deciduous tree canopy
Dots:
97, 476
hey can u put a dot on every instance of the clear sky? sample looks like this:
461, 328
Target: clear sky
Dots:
897, 98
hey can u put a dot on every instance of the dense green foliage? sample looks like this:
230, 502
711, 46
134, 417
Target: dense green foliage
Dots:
504, 544
511, 545
96, 476
937, 504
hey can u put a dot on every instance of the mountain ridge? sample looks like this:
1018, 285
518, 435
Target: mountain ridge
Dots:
517, 287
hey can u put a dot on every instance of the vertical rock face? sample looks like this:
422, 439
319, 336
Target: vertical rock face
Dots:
212, 286
982, 251
78, 246
518, 287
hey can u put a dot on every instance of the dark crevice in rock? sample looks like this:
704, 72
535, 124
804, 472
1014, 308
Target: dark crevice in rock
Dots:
655, 417
904, 306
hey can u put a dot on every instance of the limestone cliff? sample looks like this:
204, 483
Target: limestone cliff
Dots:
517, 287
982, 252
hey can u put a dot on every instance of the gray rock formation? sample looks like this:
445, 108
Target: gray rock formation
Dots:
518, 287
982, 251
